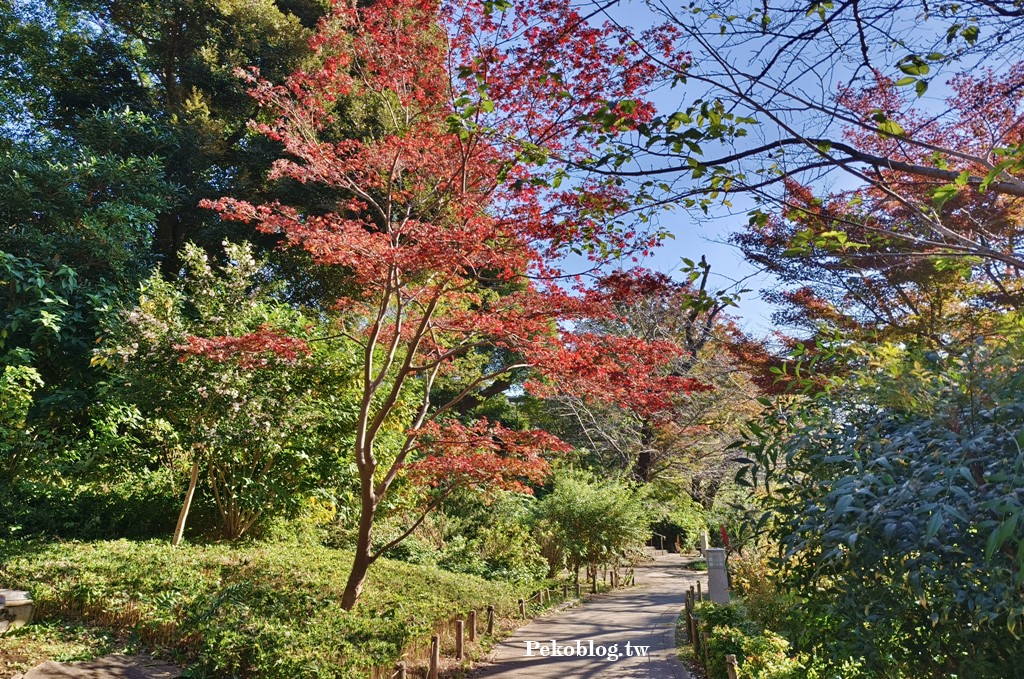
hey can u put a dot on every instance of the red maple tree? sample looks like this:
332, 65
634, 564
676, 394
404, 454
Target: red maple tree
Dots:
450, 222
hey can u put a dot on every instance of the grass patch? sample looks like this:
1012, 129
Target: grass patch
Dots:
26, 647
237, 611
698, 565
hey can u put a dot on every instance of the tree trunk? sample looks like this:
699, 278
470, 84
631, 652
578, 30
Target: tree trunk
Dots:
179, 530
167, 241
363, 555
642, 469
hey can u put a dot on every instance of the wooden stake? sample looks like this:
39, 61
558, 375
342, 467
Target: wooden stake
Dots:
472, 625
435, 656
490, 620
730, 666
460, 639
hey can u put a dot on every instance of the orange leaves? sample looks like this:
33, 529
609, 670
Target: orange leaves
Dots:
255, 350
482, 455
623, 371
451, 211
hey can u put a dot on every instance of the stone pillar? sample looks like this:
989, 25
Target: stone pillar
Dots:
703, 542
16, 609
718, 580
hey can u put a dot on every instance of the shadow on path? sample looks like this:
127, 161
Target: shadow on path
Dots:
644, 615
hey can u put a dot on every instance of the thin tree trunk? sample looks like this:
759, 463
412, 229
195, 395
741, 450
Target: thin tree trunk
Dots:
363, 556
179, 530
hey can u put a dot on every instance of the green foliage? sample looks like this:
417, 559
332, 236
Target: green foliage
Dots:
592, 520
894, 498
138, 505
760, 653
267, 435
152, 80
17, 384
489, 537
684, 519
72, 207
50, 321
268, 611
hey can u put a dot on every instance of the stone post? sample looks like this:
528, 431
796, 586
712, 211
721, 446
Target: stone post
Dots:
703, 543
718, 580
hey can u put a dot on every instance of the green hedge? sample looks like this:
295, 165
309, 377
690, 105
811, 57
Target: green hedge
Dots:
760, 653
244, 611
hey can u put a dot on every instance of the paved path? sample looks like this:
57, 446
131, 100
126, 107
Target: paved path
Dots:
107, 667
644, 615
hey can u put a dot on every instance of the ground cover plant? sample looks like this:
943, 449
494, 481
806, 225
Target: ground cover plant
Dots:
268, 610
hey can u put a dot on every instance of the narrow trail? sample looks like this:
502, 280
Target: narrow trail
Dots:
643, 615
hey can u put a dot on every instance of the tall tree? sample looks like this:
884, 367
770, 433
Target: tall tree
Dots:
450, 200
683, 445
72, 68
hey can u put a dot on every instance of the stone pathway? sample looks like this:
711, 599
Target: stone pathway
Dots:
644, 615
107, 667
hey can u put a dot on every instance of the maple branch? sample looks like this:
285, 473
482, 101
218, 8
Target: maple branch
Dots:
416, 524
451, 353
403, 373
407, 447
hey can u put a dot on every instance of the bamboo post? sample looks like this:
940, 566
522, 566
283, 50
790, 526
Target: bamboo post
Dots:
472, 625
490, 620
435, 656
400, 671
460, 638
704, 648
700, 595
693, 622
730, 665
689, 621
522, 608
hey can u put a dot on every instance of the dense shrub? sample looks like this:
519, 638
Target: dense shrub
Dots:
141, 506
592, 521
896, 506
760, 653
267, 611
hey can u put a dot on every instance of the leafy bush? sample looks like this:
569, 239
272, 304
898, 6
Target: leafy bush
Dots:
269, 611
139, 506
760, 653
895, 501
265, 425
592, 521
752, 579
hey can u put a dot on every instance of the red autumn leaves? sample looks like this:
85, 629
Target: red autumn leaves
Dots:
450, 223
